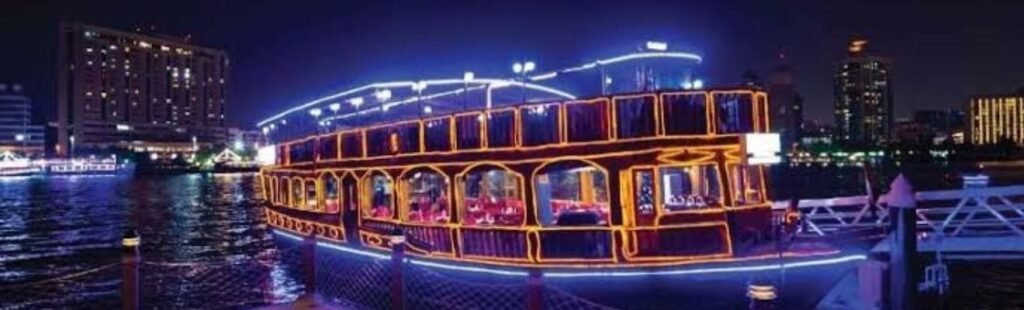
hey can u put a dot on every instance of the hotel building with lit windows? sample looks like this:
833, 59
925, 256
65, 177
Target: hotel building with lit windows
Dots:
139, 92
996, 118
863, 99
18, 134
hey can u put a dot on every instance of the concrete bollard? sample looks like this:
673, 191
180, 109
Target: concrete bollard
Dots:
130, 260
397, 241
903, 247
535, 289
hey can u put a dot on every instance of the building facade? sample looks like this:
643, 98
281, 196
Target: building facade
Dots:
786, 105
863, 99
18, 134
139, 92
995, 119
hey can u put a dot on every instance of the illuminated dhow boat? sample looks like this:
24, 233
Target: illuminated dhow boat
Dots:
14, 165
664, 177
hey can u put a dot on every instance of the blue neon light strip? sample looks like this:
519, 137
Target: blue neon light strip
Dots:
584, 274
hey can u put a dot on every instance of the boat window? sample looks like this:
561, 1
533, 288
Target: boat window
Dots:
587, 121
734, 112
329, 147
437, 135
381, 193
685, 114
690, 187
747, 182
311, 200
378, 142
572, 194
282, 191
643, 189
762, 108
297, 194
302, 151
405, 138
467, 131
634, 117
501, 128
266, 185
426, 197
282, 151
492, 196
331, 195
352, 145
540, 124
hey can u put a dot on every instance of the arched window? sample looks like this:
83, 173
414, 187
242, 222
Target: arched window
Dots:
311, 200
296, 197
572, 193
491, 195
689, 187
425, 196
282, 191
331, 201
381, 194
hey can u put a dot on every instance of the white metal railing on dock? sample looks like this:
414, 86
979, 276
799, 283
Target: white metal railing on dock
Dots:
980, 211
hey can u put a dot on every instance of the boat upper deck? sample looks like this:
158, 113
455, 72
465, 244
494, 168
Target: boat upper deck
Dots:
600, 124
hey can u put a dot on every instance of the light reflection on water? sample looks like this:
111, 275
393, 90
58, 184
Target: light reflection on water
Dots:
53, 226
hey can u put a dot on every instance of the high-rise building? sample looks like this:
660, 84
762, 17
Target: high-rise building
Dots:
141, 92
785, 104
863, 99
997, 118
17, 132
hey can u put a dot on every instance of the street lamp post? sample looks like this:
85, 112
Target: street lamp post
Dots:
466, 78
522, 69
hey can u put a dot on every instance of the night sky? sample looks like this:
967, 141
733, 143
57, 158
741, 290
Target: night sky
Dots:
288, 52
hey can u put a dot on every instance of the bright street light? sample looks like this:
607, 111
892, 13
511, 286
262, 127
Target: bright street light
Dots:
383, 94
428, 110
335, 107
517, 68
419, 86
356, 102
529, 66
315, 112
468, 76
698, 84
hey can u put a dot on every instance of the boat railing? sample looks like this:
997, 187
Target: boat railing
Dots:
496, 243
672, 242
305, 227
957, 212
575, 244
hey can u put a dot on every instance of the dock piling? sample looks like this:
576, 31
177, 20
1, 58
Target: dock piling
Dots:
130, 260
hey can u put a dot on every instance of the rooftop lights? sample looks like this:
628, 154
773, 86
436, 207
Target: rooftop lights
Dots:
383, 94
657, 46
315, 112
335, 107
419, 86
468, 76
356, 102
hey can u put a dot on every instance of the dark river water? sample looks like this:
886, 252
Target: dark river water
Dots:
196, 223
205, 243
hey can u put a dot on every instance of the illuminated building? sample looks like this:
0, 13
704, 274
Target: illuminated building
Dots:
17, 132
128, 90
863, 99
787, 106
997, 118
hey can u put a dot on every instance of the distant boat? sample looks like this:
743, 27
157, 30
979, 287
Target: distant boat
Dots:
86, 166
14, 165
228, 161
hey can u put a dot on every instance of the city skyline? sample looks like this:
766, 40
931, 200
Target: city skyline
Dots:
732, 39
